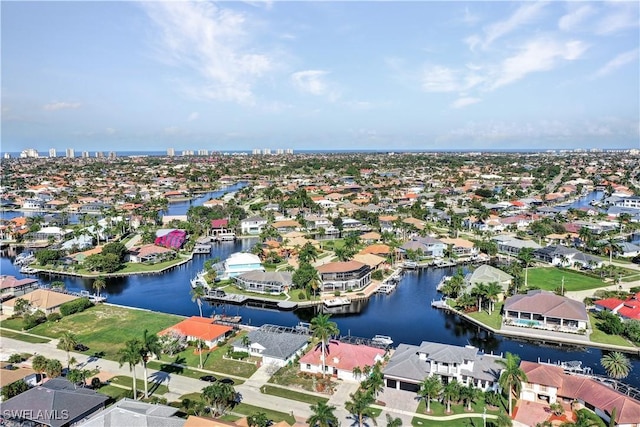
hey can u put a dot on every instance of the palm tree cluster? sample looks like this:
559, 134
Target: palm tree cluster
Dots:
138, 351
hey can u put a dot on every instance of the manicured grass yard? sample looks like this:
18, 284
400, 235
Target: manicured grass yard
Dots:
290, 376
23, 337
599, 336
550, 278
494, 320
438, 409
15, 324
104, 328
112, 391
123, 380
293, 395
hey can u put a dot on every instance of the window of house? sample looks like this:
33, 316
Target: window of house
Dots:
308, 366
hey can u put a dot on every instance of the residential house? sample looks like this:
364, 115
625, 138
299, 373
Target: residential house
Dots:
12, 373
344, 276
563, 256
252, 225
340, 359
268, 282
219, 226
11, 287
411, 364
55, 403
387, 223
373, 261
626, 309
275, 347
134, 413
488, 274
627, 250
461, 247
195, 327
150, 253
286, 225
550, 384
240, 262
45, 233
546, 310
511, 245
429, 246
40, 299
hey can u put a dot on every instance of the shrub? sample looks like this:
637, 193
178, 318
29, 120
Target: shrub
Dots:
15, 358
336, 293
239, 355
54, 317
75, 306
95, 383
377, 275
32, 320
302, 295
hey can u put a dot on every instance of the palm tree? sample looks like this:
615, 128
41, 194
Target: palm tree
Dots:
493, 290
479, 291
150, 345
451, 392
526, 256
610, 246
131, 354
359, 408
356, 372
430, 388
393, 422
469, 394
219, 396
511, 377
197, 294
616, 364
67, 342
323, 415
503, 420
53, 368
99, 284
322, 328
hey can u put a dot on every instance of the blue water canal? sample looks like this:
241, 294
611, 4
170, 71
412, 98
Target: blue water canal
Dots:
405, 315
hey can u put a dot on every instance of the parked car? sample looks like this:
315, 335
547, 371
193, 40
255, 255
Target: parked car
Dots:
80, 347
227, 381
208, 378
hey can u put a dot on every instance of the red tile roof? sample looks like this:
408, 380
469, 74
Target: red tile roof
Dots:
219, 223
200, 327
344, 356
340, 267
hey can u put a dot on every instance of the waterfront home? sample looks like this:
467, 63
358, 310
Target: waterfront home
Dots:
344, 276
377, 249
461, 247
55, 403
374, 262
286, 225
129, 412
150, 253
411, 364
46, 233
40, 299
170, 238
626, 309
200, 328
11, 287
627, 250
219, 226
488, 274
387, 223
511, 245
429, 246
268, 282
370, 237
563, 256
276, 348
78, 243
240, 262
550, 384
340, 359
253, 225
546, 310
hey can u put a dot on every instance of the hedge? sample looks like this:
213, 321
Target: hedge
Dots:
75, 306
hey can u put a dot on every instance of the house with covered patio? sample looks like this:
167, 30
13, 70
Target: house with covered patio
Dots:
268, 282
344, 276
545, 310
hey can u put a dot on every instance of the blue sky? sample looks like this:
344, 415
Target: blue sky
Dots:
320, 75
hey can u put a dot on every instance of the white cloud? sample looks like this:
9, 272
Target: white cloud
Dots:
620, 60
463, 102
622, 15
315, 83
524, 15
56, 106
572, 20
537, 55
193, 116
213, 42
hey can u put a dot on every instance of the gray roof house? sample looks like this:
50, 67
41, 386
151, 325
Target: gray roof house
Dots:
488, 274
56, 403
265, 281
275, 348
411, 364
132, 413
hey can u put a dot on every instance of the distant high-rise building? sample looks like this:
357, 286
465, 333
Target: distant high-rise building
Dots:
255, 151
266, 151
187, 152
85, 154
52, 152
112, 154
279, 151
29, 152
203, 152
99, 155
171, 152
7, 155
289, 150
70, 153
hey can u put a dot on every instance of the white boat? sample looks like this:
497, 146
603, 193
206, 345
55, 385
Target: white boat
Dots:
28, 270
24, 258
336, 302
382, 339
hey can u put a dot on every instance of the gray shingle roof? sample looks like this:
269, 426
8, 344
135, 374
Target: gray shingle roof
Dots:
277, 345
406, 364
131, 413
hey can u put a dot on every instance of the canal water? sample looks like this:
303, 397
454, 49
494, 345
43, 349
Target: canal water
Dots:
406, 314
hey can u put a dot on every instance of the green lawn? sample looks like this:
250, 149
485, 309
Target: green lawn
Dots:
15, 324
290, 376
104, 328
23, 337
171, 369
293, 395
601, 337
213, 360
550, 278
116, 393
494, 320
125, 381
246, 409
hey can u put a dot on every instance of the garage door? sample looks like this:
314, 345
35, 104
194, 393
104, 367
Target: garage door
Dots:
391, 383
409, 387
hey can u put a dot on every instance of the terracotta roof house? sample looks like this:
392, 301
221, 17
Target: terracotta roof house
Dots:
378, 249
40, 299
344, 276
150, 253
275, 347
133, 413
12, 287
196, 327
340, 359
286, 225
373, 261
56, 403
626, 309
545, 310
411, 364
17, 373
551, 384
461, 247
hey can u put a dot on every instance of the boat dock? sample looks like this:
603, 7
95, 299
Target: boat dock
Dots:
440, 304
336, 302
443, 282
